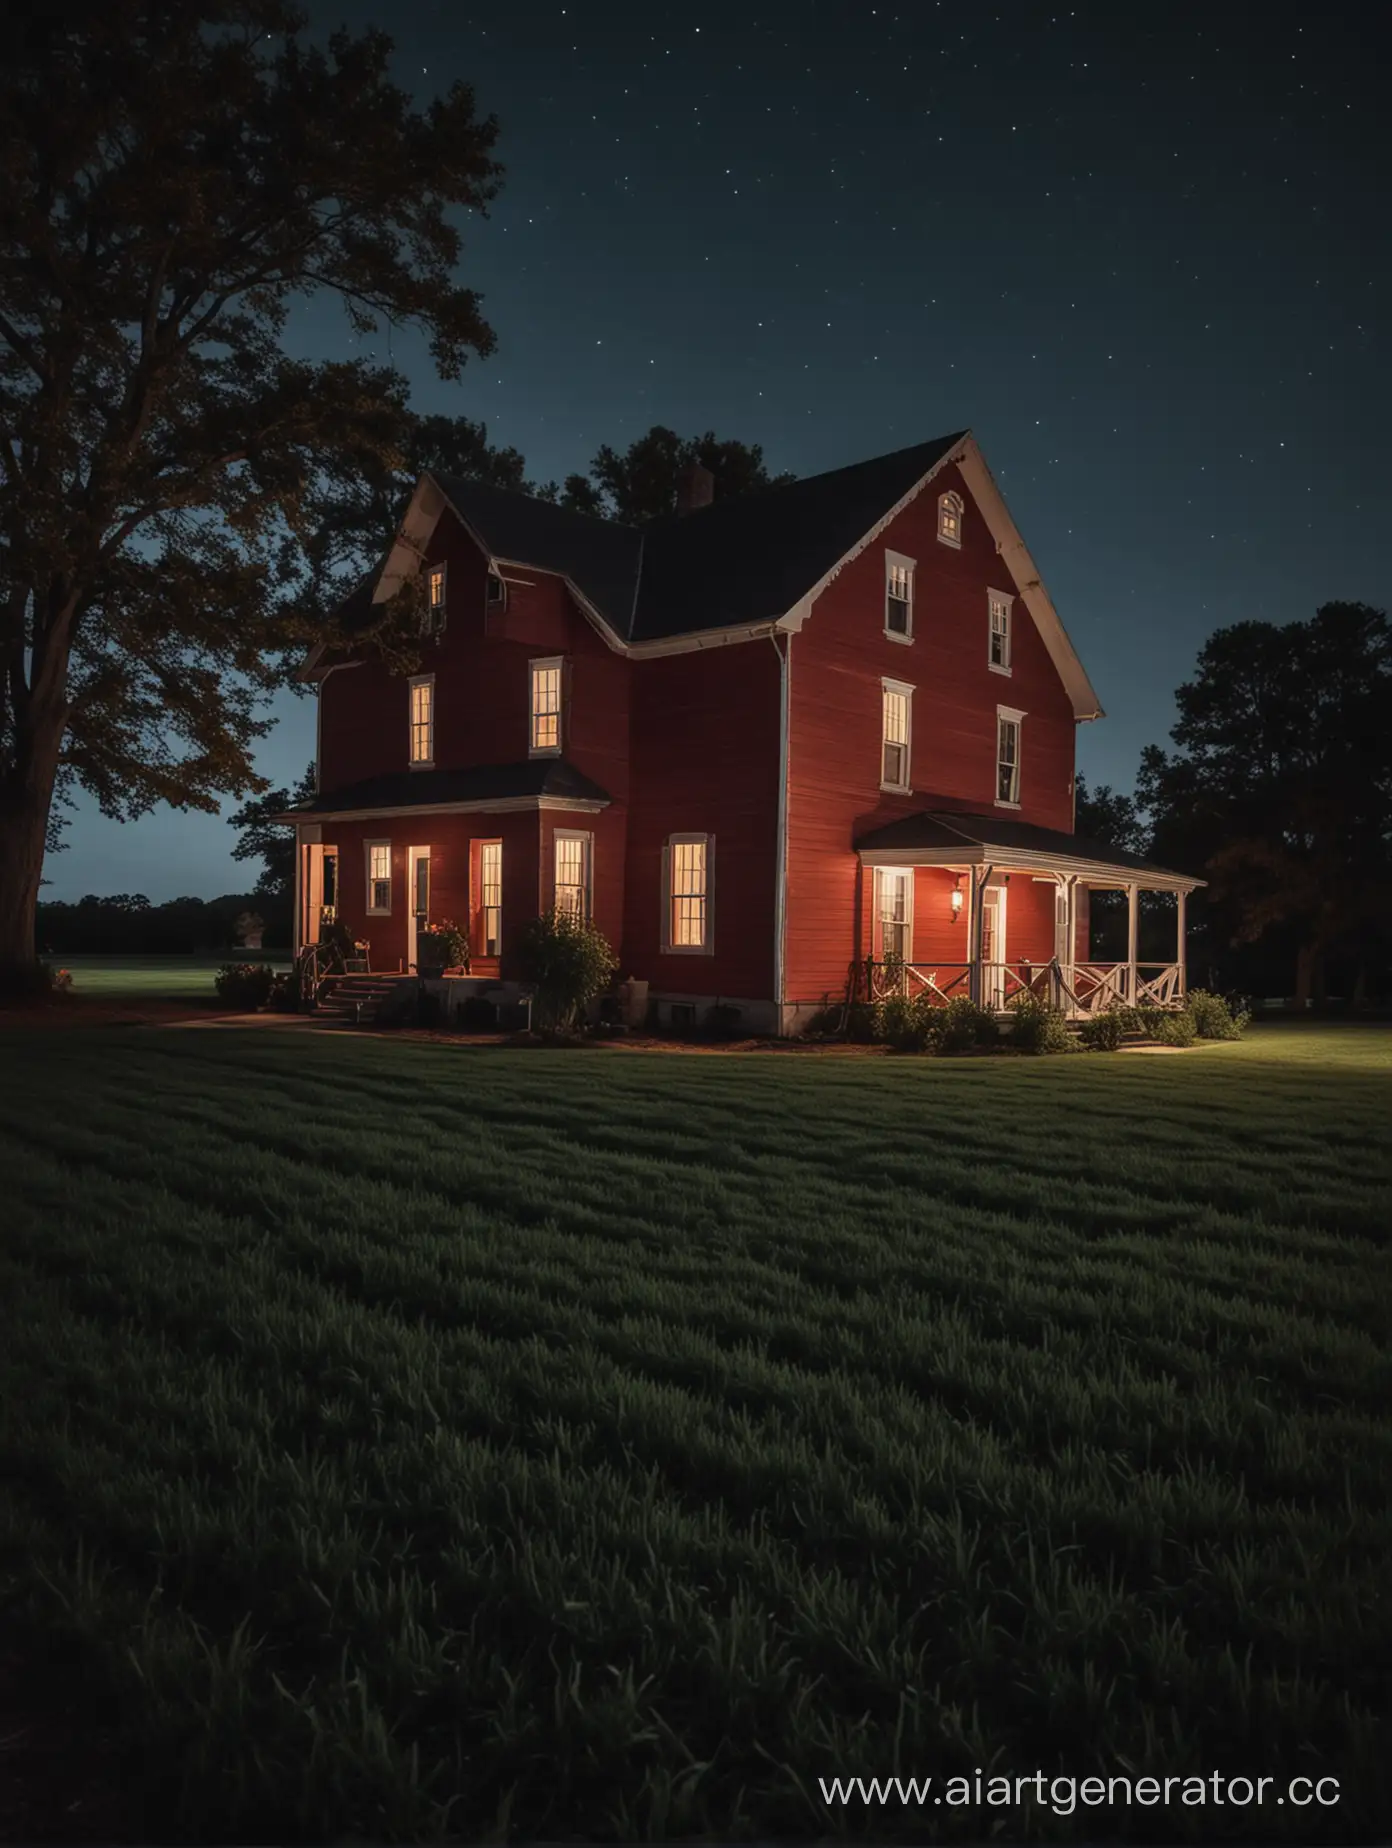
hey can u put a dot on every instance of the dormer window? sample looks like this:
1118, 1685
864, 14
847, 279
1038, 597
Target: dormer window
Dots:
497, 592
998, 644
950, 518
435, 600
899, 578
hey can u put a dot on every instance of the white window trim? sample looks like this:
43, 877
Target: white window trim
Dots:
413, 762
1007, 598
377, 911
891, 560
1014, 716
959, 509
707, 946
500, 601
898, 686
545, 661
586, 838
877, 887
494, 841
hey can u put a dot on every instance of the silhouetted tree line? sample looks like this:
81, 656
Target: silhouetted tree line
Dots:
127, 924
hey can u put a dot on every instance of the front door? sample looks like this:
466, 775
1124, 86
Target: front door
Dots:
993, 947
417, 897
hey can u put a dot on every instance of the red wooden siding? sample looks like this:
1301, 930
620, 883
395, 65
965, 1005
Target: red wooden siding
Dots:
704, 738
838, 662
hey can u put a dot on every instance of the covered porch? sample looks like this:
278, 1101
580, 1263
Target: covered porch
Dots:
991, 908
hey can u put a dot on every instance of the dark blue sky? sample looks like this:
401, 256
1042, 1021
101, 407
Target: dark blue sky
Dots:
1142, 253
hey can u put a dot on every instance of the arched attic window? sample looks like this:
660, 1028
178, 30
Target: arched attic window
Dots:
950, 518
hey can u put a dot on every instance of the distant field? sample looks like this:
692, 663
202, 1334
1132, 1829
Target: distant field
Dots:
170, 978
410, 1442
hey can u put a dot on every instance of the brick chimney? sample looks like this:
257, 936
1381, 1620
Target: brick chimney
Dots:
695, 488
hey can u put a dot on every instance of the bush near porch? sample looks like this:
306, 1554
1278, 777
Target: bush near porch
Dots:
915, 1024
405, 1442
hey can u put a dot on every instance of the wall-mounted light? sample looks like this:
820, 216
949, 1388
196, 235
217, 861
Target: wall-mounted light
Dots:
957, 901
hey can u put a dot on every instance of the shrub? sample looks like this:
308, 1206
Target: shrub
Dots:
1035, 1027
827, 1020
442, 945
908, 1025
1173, 1029
963, 1024
860, 1023
1105, 1031
245, 986
1216, 1017
284, 997
568, 962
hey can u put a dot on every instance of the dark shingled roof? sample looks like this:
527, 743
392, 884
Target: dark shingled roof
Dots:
539, 776
942, 828
732, 563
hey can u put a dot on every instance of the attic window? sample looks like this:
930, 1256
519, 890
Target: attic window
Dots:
999, 644
434, 622
950, 518
497, 591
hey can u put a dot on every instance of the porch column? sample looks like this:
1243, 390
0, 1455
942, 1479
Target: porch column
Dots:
1131, 921
297, 922
1180, 898
979, 877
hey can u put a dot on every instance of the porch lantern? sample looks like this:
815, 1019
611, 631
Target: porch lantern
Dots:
957, 901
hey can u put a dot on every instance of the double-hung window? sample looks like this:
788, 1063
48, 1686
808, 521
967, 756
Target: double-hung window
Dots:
574, 853
378, 878
422, 741
998, 647
1008, 723
686, 898
899, 579
897, 699
490, 898
548, 678
894, 914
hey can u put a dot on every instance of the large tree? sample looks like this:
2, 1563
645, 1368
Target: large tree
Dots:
173, 175
272, 843
1282, 783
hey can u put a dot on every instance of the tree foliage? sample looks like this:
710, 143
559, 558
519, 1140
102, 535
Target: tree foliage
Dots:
640, 484
1103, 814
271, 843
1282, 783
174, 174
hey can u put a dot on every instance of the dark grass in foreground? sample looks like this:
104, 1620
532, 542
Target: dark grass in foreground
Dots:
411, 1441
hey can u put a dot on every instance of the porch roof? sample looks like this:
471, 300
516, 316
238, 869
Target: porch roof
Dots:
540, 782
939, 837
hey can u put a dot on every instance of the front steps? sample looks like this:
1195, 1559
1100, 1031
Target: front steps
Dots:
361, 1000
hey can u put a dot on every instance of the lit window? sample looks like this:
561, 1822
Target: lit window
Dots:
491, 897
1000, 630
379, 876
1008, 756
573, 874
950, 518
423, 720
899, 576
894, 914
686, 901
435, 600
546, 707
894, 761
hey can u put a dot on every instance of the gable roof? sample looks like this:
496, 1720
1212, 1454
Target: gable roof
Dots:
752, 563
963, 836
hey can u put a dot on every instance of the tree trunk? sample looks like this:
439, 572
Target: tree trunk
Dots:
26, 799
1304, 975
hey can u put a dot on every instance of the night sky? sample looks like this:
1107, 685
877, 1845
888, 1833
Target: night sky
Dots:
1142, 253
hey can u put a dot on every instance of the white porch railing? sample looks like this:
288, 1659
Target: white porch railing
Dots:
1080, 990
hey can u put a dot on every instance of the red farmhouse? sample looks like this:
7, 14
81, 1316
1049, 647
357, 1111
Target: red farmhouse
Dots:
759, 741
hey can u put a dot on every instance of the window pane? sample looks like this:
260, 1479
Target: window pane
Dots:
688, 864
546, 708
491, 894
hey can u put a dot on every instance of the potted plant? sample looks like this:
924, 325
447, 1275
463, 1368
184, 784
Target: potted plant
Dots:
440, 946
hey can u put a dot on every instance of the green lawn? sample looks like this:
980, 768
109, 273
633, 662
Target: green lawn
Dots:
150, 978
410, 1441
